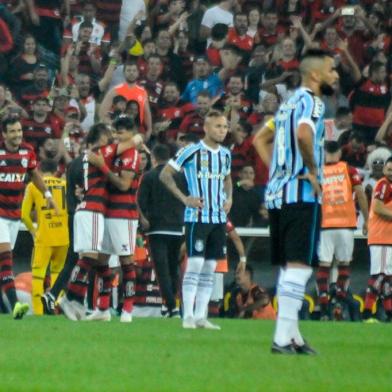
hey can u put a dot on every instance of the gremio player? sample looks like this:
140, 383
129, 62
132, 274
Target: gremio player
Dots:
16, 160
293, 192
207, 171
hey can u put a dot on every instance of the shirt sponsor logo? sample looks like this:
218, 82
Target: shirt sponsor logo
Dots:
210, 176
12, 177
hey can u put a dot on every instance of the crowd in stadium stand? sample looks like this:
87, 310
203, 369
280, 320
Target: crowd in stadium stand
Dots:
67, 65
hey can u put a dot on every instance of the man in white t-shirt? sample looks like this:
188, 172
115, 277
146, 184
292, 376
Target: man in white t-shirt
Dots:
129, 9
221, 13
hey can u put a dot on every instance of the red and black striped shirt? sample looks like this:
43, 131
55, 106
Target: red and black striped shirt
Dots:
94, 182
35, 133
122, 204
13, 169
193, 123
108, 11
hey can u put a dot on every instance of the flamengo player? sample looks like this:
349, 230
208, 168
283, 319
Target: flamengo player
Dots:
207, 171
89, 221
380, 244
121, 220
16, 160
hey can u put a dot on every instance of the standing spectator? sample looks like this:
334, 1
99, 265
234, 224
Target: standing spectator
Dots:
221, 13
355, 152
369, 102
108, 12
40, 87
131, 91
47, 24
130, 9
152, 82
194, 122
271, 32
288, 60
21, 70
163, 225
39, 127
246, 201
238, 35
241, 150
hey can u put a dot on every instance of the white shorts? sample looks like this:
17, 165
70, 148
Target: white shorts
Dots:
9, 230
338, 243
380, 259
88, 231
120, 236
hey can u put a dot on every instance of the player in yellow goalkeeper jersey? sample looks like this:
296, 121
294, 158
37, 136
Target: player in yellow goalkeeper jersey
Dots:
51, 238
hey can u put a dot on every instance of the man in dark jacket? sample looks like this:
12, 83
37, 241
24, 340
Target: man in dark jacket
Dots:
162, 217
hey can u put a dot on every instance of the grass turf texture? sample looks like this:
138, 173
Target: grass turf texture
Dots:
54, 354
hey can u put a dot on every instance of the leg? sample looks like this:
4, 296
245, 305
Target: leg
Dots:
57, 263
159, 245
41, 259
387, 292
128, 282
174, 265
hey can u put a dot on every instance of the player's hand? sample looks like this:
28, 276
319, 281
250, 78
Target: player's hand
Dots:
194, 202
227, 205
52, 204
96, 159
365, 228
35, 19
78, 192
312, 178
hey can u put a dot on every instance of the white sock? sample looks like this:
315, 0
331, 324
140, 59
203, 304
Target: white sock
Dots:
290, 298
204, 289
189, 285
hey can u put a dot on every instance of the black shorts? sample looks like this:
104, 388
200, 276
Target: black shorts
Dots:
207, 240
295, 233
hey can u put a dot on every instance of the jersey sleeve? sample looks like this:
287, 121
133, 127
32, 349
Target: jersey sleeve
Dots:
131, 160
355, 177
109, 152
311, 109
382, 192
32, 161
183, 156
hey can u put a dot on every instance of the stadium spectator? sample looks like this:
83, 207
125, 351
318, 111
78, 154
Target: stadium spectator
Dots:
238, 34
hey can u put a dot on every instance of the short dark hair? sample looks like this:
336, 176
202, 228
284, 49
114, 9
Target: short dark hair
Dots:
161, 152
48, 166
204, 93
86, 25
118, 98
95, 132
389, 160
317, 53
331, 147
219, 31
8, 120
375, 66
124, 122
214, 113
342, 111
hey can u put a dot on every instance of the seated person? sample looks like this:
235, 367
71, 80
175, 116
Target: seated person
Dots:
252, 301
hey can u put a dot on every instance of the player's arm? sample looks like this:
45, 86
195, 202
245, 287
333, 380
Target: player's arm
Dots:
38, 181
27, 207
148, 119
363, 205
228, 187
239, 246
305, 142
382, 210
263, 141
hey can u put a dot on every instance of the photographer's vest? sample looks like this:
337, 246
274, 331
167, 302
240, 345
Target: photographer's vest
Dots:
338, 207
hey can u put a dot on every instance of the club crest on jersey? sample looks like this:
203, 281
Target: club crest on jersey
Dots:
204, 163
199, 245
24, 162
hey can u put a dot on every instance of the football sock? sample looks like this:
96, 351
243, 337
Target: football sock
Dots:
322, 276
290, 298
7, 278
78, 283
372, 292
342, 282
204, 289
190, 283
129, 276
104, 274
387, 292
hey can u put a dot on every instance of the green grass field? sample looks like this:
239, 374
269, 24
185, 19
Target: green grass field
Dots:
54, 354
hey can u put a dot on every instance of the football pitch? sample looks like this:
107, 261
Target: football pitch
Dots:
54, 354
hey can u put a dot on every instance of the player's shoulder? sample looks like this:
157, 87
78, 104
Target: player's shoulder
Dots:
189, 149
224, 150
310, 102
26, 147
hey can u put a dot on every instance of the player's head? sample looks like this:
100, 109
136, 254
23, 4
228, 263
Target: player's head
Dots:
318, 72
215, 126
160, 154
333, 151
99, 135
388, 169
12, 131
124, 129
48, 166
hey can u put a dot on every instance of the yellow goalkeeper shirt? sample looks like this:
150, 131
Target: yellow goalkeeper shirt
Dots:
52, 230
